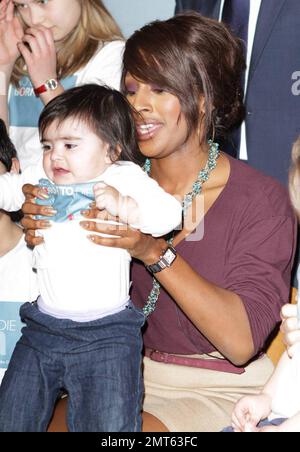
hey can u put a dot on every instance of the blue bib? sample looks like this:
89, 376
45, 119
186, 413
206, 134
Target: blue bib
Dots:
67, 200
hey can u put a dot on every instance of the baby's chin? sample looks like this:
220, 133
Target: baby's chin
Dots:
61, 178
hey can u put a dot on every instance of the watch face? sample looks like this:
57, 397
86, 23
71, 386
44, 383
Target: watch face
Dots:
169, 255
51, 84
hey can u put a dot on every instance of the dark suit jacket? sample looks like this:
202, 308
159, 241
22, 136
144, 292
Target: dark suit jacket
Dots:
273, 93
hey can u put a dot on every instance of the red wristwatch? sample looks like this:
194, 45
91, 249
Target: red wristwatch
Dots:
49, 85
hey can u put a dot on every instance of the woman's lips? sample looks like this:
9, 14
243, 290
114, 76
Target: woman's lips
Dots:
147, 131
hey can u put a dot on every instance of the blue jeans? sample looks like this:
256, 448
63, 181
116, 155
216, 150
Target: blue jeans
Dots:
98, 363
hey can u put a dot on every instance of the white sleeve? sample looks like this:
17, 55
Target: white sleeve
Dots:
11, 195
105, 67
159, 212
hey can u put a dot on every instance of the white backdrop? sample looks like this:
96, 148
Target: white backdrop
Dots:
133, 14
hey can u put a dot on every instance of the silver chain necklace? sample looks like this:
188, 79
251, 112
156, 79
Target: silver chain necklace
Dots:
203, 176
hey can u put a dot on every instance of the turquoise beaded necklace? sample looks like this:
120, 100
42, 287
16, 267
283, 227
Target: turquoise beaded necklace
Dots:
203, 176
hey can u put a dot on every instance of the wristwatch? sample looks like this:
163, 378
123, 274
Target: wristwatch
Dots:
49, 85
166, 260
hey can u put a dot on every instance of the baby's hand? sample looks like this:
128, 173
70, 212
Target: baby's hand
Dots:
107, 198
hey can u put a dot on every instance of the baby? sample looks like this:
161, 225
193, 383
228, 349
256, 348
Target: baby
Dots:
83, 333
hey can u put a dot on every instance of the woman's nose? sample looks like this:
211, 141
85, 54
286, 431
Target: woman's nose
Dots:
141, 100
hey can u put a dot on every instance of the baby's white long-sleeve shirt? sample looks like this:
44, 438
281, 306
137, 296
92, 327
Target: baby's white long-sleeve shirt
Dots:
77, 279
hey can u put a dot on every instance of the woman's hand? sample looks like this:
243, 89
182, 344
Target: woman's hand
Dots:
140, 246
29, 209
290, 328
38, 50
11, 33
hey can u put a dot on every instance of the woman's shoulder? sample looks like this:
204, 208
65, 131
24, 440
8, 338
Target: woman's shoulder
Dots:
259, 189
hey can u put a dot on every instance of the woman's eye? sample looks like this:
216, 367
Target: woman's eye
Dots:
129, 92
157, 89
43, 2
46, 147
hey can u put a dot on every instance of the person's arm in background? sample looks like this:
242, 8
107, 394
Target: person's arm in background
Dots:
11, 33
11, 195
293, 423
39, 52
290, 328
250, 410
36, 46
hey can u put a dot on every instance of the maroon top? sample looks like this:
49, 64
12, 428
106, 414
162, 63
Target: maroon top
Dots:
247, 247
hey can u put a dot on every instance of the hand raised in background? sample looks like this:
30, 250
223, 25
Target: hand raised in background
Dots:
11, 33
39, 52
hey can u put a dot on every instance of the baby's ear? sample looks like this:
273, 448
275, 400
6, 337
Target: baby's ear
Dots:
113, 155
15, 167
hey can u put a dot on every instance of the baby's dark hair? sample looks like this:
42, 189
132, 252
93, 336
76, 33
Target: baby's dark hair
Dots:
7, 150
7, 154
105, 111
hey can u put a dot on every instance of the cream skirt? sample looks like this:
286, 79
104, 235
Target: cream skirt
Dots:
189, 399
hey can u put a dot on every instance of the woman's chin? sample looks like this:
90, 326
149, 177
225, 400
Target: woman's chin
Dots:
149, 148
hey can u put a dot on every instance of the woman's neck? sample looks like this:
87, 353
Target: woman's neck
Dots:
10, 234
177, 172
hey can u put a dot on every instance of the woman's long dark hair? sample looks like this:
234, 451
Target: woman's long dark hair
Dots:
192, 56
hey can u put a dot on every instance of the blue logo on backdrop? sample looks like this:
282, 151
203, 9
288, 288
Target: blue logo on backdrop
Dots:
10, 330
24, 107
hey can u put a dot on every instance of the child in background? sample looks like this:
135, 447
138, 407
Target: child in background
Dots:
278, 404
45, 48
83, 334
17, 279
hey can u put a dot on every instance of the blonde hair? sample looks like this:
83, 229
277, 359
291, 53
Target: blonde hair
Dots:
96, 26
294, 178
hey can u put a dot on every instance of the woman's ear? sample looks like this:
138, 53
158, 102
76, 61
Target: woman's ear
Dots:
15, 167
202, 112
202, 105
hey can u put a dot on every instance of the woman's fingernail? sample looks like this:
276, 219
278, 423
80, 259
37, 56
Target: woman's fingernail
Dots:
45, 224
92, 238
85, 225
84, 212
50, 211
43, 194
